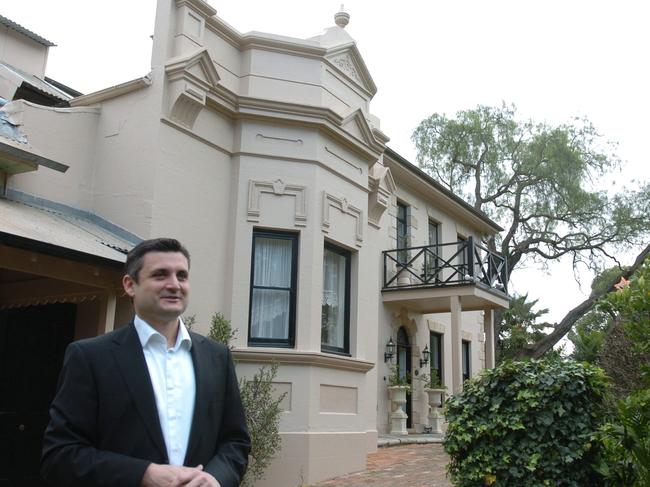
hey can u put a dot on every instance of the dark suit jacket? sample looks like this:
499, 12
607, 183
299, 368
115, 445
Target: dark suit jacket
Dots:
104, 428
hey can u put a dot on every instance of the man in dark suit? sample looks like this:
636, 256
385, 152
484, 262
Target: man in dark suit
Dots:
150, 404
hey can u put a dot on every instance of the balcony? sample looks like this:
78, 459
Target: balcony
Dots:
425, 278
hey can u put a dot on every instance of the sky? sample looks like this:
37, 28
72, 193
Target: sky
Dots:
554, 59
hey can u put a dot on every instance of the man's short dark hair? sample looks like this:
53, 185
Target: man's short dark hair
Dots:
136, 255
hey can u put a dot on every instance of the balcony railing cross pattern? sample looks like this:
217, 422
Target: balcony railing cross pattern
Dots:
425, 266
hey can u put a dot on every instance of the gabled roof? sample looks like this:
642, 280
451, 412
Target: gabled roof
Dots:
26, 32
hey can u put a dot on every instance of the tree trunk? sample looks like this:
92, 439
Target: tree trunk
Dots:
560, 329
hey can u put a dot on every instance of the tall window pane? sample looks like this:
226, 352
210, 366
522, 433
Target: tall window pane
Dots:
435, 359
467, 363
272, 307
335, 309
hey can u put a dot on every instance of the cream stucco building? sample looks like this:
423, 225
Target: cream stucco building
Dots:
260, 153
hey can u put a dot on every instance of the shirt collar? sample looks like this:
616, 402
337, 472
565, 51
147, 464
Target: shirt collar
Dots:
145, 331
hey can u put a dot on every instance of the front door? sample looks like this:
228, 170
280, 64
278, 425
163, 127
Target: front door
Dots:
32, 344
404, 367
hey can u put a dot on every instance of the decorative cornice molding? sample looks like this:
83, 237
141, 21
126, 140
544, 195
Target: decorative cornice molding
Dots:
313, 359
111, 92
53, 299
309, 114
342, 159
270, 42
346, 208
278, 188
199, 6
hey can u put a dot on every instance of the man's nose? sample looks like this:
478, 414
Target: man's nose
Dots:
173, 282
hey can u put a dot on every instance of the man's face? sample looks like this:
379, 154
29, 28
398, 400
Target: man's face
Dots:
160, 295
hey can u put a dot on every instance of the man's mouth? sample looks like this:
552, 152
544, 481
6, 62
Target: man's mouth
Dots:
171, 298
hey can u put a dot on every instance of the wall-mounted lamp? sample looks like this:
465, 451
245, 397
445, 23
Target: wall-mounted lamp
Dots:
425, 357
390, 350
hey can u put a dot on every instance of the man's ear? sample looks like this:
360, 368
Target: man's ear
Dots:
128, 284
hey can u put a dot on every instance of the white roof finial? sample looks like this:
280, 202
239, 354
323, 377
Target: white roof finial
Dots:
342, 18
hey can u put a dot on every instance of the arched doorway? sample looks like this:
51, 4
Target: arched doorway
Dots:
404, 368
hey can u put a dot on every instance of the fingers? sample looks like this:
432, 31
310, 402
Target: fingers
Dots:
203, 479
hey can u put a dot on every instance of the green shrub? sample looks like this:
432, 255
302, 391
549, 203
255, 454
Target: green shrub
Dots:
527, 424
221, 330
261, 405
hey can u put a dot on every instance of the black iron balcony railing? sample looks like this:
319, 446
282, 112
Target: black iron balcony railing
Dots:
453, 263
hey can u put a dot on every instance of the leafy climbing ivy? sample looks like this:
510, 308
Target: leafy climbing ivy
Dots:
527, 424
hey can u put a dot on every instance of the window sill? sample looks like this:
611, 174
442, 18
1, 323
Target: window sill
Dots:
292, 357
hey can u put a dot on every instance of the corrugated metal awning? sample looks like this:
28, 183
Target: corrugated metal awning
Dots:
41, 85
57, 233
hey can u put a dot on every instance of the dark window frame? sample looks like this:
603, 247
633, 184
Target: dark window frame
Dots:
346, 315
466, 355
288, 342
401, 239
433, 263
439, 372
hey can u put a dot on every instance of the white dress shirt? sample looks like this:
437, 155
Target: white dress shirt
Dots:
172, 376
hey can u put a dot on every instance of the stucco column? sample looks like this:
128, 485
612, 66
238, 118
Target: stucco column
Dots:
488, 328
106, 316
456, 345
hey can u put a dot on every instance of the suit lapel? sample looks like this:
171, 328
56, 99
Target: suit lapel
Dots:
133, 367
201, 371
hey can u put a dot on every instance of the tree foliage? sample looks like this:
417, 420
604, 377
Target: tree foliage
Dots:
527, 424
520, 327
626, 353
539, 182
591, 330
631, 304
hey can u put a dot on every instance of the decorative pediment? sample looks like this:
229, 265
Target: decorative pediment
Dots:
347, 60
197, 67
191, 77
382, 187
356, 124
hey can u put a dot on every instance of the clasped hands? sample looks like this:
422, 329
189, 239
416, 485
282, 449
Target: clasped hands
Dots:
158, 475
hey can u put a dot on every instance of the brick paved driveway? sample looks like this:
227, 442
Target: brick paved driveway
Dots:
399, 466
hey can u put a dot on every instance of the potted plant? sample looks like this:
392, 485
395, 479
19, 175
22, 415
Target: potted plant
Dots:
398, 386
436, 397
434, 389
